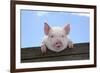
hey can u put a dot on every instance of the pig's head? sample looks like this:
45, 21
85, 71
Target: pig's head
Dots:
56, 37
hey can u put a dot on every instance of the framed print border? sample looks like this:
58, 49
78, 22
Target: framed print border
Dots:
13, 35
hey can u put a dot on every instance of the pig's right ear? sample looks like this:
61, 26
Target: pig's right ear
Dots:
46, 28
67, 28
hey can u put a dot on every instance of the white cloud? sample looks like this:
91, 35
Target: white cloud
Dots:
40, 13
82, 14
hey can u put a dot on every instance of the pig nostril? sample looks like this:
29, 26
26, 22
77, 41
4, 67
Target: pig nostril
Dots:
56, 43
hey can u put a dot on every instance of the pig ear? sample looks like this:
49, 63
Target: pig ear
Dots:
46, 28
67, 28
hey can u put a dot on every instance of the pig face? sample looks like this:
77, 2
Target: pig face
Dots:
56, 37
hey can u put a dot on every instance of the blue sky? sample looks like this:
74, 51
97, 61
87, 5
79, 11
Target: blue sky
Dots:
32, 25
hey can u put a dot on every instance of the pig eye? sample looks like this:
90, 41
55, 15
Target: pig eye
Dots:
62, 36
51, 36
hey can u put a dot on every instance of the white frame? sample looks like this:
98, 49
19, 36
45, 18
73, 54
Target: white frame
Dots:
52, 64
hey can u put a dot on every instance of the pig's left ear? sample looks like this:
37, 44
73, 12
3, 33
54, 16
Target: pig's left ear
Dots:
67, 28
46, 28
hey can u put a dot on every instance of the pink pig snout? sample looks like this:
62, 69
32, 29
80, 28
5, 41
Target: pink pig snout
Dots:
58, 44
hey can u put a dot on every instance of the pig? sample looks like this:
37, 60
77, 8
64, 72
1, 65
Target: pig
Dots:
56, 38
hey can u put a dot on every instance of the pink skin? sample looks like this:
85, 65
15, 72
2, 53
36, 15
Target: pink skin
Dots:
57, 44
